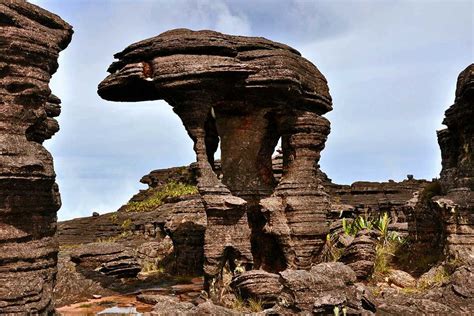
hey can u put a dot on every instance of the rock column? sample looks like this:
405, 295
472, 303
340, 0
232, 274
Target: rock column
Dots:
30, 41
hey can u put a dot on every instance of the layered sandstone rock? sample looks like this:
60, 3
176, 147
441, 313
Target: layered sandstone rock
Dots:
30, 41
320, 290
457, 140
108, 258
457, 176
183, 221
443, 220
246, 93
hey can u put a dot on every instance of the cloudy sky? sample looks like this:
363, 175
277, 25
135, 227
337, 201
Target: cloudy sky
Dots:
391, 67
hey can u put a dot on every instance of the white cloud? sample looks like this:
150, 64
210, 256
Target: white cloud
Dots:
391, 68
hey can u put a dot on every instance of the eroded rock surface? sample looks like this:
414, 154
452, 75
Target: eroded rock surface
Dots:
446, 214
247, 93
108, 258
30, 41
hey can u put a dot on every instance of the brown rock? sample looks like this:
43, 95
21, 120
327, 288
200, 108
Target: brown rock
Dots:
258, 284
108, 258
31, 39
324, 287
401, 279
246, 92
360, 255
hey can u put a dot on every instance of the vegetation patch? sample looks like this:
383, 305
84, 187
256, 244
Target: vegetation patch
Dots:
431, 190
171, 189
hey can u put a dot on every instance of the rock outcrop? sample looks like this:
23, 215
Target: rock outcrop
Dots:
183, 221
445, 213
246, 93
30, 41
320, 290
457, 140
107, 258
457, 176
360, 254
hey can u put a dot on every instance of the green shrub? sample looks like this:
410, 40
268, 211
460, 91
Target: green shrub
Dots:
127, 224
432, 189
171, 189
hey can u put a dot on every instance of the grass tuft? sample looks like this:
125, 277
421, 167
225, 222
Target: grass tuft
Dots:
171, 189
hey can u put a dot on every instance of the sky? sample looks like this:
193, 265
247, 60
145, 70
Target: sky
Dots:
391, 67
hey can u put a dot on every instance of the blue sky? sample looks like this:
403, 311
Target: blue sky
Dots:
391, 67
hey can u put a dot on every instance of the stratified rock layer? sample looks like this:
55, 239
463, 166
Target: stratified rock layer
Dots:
457, 176
247, 93
443, 221
30, 41
457, 140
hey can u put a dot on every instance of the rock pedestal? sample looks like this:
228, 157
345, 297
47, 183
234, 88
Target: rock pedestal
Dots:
244, 93
30, 41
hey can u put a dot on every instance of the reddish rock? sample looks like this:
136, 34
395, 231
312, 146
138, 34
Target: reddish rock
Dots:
31, 39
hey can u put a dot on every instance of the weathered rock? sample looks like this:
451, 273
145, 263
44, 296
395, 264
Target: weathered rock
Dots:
457, 140
184, 222
401, 279
30, 41
258, 284
246, 92
321, 289
456, 211
360, 255
462, 282
154, 252
445, 213
376, 197
457, 176
166, 305
72, 286
108, 258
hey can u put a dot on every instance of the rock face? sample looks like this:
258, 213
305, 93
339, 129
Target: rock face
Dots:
320, 290
183, 221
457, 140
360, 255
30, 41
246, 93
457, 176
446, 215
107, 258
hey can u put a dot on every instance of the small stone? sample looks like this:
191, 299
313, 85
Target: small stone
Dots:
401, 279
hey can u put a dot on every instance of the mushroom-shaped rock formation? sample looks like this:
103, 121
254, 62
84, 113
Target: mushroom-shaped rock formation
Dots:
30, 41
247, 93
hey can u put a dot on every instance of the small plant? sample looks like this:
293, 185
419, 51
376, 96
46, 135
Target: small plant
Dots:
127, 224
114, 218
337, 311
255, 305
432, 189
381, 224
331, 253
85, 306
151, 267
238, 304
171, 189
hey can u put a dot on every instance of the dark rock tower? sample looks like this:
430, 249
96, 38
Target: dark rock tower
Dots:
30, 41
